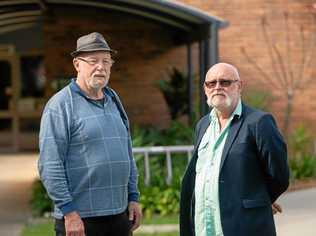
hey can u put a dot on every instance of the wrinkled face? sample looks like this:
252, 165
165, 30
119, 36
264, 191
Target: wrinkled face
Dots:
94, 68
222, 87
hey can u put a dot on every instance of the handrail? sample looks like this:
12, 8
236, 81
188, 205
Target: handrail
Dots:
167, 150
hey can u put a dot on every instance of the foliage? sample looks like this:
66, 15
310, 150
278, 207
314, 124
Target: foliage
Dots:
258, 99
302, 161
175, 92
159, 198
40, 202
39, 229
301, 141
177, 134
303, 167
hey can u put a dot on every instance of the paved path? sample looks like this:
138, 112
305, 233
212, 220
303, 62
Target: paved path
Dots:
299, 214
16, 175
18, 171
297, 219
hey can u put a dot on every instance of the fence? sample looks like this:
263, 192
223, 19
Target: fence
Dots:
167, 150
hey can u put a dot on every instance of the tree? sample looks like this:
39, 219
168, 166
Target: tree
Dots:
290, 80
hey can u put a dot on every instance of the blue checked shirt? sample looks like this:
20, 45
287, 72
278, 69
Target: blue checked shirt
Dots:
86, 162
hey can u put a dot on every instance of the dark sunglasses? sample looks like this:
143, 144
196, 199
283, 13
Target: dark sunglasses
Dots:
222, 82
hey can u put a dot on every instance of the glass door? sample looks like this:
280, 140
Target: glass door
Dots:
9, 91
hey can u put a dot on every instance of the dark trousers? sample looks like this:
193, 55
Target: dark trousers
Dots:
114, 225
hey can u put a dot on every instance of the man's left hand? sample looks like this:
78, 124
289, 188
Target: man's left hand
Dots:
276, 208
134, 214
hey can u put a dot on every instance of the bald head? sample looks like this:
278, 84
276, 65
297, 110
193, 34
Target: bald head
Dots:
223, 70
222, 88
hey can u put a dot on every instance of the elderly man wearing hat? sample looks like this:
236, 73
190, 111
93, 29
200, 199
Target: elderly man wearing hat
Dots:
86, 162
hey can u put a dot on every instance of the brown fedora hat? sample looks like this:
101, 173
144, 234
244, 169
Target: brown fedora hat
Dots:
90, 43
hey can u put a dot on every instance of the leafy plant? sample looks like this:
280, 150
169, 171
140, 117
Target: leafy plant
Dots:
175, 92
159, 198
303, 167
302, 161
40, 202
258, 99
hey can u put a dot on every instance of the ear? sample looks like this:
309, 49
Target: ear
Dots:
240, 85
75, 62
204, 88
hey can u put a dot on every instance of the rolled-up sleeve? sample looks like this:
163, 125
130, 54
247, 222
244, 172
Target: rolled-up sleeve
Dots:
53, 143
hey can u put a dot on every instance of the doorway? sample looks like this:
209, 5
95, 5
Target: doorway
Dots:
9, 87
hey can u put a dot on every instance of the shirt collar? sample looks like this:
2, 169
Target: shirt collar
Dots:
75, 88
237, 112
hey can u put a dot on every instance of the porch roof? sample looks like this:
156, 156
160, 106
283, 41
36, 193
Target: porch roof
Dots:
18, 14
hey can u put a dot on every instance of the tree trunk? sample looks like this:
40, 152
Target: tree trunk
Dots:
288, 113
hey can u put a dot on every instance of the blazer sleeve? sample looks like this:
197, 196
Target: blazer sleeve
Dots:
273, 156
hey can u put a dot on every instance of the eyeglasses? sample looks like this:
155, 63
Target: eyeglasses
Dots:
223, 83
93, 62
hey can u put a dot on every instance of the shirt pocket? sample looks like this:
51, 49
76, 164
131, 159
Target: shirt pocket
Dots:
202, 150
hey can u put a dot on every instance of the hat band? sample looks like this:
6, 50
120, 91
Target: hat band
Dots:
94, 46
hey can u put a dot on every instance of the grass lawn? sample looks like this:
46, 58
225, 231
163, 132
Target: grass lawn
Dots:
162, 234
39, 229
46, 228
158, 220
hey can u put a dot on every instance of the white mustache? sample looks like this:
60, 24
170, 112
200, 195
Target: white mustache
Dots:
220, 94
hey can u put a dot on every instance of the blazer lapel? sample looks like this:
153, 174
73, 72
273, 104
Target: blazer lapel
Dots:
233, 131
204, 126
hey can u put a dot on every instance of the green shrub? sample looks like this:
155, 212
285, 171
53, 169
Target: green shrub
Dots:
40, 202
258, 99
159, 198
302, 162
175, 92
303, 167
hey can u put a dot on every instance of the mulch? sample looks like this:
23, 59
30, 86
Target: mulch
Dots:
302, 184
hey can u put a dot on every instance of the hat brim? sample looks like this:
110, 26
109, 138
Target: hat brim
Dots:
76, 53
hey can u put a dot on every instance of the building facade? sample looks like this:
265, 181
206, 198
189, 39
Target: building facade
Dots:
261, 38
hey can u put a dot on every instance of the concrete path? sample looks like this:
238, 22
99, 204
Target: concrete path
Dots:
297, 219
299, 214
16, 175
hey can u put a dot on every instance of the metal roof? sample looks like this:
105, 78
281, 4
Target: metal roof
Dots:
15, 14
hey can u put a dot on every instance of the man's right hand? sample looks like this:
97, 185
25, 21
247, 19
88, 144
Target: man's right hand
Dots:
74, 225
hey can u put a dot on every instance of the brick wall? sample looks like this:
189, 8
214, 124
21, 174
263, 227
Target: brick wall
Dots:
245, 30
143, 57
147, 51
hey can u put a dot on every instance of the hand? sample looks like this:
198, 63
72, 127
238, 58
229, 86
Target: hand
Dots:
74, 225
134, 214
276, 208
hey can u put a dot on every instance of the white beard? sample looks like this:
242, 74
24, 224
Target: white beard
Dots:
227, 103
95, 84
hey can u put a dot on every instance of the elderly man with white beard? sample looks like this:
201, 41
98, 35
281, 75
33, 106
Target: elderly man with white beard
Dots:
239, 165
86, 161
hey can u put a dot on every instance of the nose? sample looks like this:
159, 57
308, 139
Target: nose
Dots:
101, 66
217, 85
